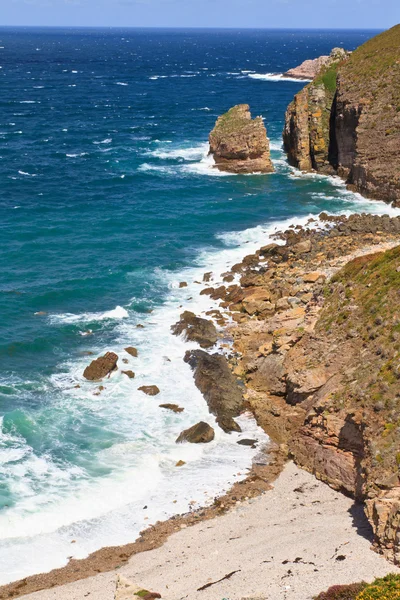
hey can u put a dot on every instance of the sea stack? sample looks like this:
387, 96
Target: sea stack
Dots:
239, 144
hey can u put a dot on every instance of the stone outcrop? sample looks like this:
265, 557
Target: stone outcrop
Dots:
101, 367
347, 120
239, 144
219, 387
127, 589
321, 365
201, 433
196, 329
311, 68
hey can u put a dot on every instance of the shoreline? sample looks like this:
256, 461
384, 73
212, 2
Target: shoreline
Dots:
257, 482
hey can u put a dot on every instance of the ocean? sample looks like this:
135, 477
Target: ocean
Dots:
107, 201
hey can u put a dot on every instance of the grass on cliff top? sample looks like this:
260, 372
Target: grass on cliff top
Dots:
328, 77
235, 120
376, 63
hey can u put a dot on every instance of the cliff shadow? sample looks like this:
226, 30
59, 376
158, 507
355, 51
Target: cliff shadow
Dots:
360, 521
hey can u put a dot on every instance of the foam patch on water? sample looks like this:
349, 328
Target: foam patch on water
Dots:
117, 313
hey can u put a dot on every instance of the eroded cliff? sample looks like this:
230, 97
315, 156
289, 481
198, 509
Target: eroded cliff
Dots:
347, 120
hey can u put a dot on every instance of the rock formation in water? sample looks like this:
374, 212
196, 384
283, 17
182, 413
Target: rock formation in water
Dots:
101, 367
239, 144
310, 68
347, 120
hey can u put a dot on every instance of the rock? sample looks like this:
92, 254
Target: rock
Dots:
150, 390
270, 376
302, 247
174, 407
183, 284
180, 463
100, 367
201, 433
207, 277
314, 277
196, 329
218, 385
246, 442
311, 68
132, 351
240, 144
130, 374
127, 590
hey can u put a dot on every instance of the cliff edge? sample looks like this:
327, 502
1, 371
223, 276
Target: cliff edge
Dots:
239, 144
347, 120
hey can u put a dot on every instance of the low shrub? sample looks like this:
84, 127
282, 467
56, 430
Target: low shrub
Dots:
387, 588
342, 592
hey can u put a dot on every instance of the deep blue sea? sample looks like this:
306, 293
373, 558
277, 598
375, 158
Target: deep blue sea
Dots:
107, 201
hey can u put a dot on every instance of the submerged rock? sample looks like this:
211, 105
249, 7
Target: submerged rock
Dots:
101, 367
174, 407
214, 379
201, 433
196, 329
239, 144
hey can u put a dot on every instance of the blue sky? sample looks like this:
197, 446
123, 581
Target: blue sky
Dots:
377, 14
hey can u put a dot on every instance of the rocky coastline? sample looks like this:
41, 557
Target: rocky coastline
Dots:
347, 120
291, 372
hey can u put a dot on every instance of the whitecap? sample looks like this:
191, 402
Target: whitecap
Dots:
121, 83
117, 313
77, 155
27, 174
275, 77
106, 141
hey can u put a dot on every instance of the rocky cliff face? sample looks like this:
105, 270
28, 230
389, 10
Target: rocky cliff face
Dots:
347, 121
239, 144
320, 356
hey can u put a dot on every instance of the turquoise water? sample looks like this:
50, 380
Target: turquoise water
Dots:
108, 200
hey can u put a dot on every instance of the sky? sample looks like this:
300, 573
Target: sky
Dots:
362, 14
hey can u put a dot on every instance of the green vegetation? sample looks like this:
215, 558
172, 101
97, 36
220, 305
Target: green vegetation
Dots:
236, 120
387, 588
342, 592
328, 77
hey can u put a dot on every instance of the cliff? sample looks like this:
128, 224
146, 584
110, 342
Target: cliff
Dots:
347, 120
317, 341
239, 144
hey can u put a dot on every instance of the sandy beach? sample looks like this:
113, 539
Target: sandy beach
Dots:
288, 544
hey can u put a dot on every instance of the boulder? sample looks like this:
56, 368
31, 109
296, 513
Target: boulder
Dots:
150, 390
218, 385
269, 376
239, 144
132, 351
201, 433
101, 367
174, 407
129, 374
196, 329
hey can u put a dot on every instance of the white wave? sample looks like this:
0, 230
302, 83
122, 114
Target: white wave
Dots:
275, 77
77, 155
29, 102
27, 174
121, 83
106, 141
196, 152
117, 313
154, 77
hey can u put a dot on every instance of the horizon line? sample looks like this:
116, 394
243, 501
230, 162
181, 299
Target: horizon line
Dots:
186, 27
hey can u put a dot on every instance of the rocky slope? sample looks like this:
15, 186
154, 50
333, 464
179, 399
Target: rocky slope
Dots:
239, 144
347, 120
317, 342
